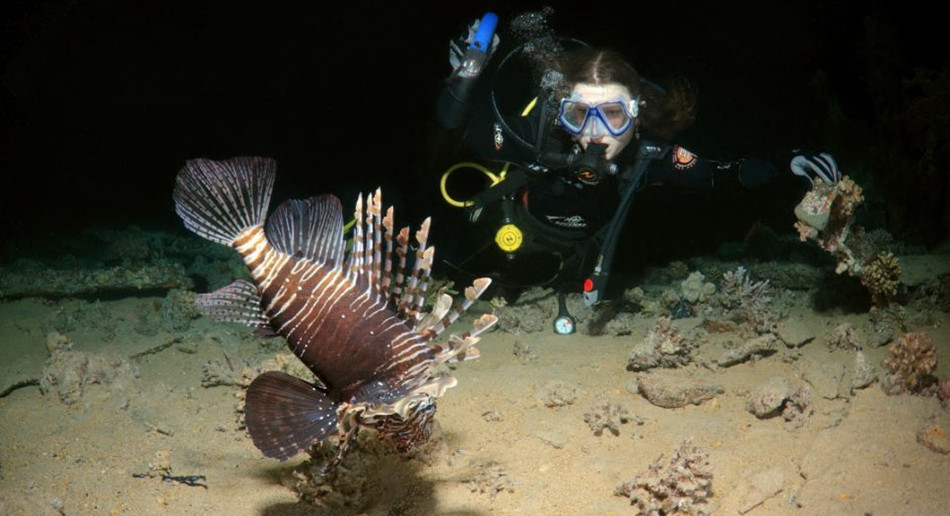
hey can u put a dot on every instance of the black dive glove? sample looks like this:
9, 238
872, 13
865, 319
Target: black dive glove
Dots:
811, 165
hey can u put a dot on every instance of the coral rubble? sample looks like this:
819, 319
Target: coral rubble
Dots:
777, 396
843, 337
58, 283
684, 486
491, 479
606, 416
557, 393
664, 346
68, 372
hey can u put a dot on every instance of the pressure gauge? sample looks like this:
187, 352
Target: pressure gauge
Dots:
564, 325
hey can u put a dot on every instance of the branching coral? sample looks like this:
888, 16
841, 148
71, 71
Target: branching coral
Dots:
742, 300
683, 487
911, 362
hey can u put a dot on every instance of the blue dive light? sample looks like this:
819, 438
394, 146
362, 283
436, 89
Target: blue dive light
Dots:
486, 29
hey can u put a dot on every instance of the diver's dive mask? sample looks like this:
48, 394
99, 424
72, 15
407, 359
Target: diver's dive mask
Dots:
613, 117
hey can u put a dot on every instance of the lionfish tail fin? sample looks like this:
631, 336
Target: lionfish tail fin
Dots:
286, 415
311, 228
239, 302
218, 200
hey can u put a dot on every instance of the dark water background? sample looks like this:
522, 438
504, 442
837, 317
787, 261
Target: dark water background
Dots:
101, 102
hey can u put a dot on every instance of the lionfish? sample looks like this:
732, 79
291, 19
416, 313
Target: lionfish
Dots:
355, 321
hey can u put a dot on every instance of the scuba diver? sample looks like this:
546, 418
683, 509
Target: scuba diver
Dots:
572, 163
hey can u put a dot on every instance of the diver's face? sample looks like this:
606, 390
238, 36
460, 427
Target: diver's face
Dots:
592, 94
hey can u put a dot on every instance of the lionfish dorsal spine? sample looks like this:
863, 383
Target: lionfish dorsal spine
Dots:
422, 284
407, 302
386, 280
354, 262
399, 275
377, 228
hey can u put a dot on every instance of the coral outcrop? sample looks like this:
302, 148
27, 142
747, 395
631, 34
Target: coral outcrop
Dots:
695, 288
826, 216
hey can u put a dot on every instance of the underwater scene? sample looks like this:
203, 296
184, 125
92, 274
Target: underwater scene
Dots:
258, 261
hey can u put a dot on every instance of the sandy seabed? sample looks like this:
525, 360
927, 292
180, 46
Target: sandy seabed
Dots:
502, 446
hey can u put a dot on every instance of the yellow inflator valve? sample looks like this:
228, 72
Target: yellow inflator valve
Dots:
509, 238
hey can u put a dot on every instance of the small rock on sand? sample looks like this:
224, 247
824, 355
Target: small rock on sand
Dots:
763, 345
674, 392
795, 333
862, 372
933, 436
767, 399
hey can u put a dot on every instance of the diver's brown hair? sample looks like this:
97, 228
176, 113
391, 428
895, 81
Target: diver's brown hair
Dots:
663, 111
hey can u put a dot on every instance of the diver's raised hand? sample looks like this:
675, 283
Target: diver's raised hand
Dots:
811, 165
472, 48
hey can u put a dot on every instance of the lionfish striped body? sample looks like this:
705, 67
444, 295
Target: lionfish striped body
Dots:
353, 320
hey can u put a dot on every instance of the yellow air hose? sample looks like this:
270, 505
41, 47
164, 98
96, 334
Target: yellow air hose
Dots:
494, 178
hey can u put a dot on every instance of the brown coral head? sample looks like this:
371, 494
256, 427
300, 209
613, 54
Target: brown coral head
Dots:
912, 361
882, 277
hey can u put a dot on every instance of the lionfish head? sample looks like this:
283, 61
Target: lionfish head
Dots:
409, 427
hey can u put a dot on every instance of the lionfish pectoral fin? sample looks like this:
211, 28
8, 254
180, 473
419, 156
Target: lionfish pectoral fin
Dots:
349, 429
311, 228
442, 306
437, 386
460, 348
286, 415
239, 302
472, 293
